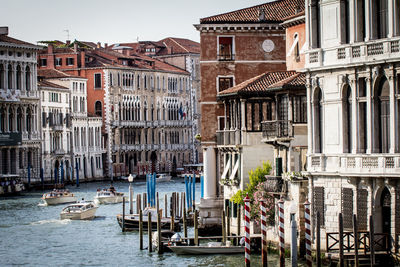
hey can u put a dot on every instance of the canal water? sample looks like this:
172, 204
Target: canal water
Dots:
34, 235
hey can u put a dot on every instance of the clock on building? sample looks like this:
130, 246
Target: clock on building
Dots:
268, 45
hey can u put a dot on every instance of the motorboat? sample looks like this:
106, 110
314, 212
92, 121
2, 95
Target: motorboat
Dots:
163, 177
57, 196
83, 210
108, 196
210, 248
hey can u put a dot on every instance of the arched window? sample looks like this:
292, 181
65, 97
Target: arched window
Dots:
19, 77
347, 119
98, 108
11, 127
317, 121
382, 118
362, 115
28, 78
19, 120
28, 120
10, 77
296, 51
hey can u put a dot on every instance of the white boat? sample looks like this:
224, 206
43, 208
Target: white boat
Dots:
163, 177
211, 248
84, 210
108, 196
58, 197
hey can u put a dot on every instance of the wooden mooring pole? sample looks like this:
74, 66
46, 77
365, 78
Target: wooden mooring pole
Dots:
341, 254
123, 214
159, 243
166, 205
184, 219
196, 228
355, 234
228, 222
318, 241
140, 229
149, 231
172, 220
372, 240
223, 228
144, 200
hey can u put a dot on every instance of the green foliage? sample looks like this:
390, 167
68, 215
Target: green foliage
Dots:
255, 176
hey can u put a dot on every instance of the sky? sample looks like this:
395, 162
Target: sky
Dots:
110, 21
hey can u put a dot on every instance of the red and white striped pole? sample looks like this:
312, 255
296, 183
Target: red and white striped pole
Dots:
281, 233
264, 232
308, 232
247, 230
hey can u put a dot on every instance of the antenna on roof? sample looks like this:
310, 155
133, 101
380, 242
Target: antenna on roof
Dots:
67, 33
137, 39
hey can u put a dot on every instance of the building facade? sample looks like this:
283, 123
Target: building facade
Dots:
353, 72
236, 47
19, 109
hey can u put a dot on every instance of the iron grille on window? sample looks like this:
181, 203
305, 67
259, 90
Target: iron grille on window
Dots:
319, 204
362, 209
347, 207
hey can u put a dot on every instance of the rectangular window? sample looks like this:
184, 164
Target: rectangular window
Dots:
362, 209
319, 204
225, 48
224, 83
300, 109
97, 80
347, 207
70, 61
58, 61
43, 62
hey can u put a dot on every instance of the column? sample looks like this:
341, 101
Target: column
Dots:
369, 147
391, 19
6, 124
368, 34
210, 181
392, 103
23, 128
310, 118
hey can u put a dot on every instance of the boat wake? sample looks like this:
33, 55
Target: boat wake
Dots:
52, 221
42, 204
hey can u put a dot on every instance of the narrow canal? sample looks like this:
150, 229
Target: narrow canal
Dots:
34, 235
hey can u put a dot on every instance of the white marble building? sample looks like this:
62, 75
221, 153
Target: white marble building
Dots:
353, 72
19, 109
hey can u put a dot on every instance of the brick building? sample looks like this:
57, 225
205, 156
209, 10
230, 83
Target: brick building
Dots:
144, 104
235, 47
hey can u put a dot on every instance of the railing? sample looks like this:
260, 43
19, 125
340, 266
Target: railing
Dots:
381, 242
57, 128
229, 137
59, 151
226, 57
353, 53
277, 129
275, 184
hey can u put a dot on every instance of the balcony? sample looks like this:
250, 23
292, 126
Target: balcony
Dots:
382, 49
278, 130
57, 128
229, 137
275, 185
226, 57
356, 164
29, 94
59, 152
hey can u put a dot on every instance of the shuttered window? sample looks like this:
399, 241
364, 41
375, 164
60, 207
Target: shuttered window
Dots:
362, 209
319, 204
347, 207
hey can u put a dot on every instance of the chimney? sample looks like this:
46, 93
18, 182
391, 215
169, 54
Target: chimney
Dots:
75, 47
105, 45
261, 14
98, 45
68, 42
4, 30
83, 59
50, 49
50, 56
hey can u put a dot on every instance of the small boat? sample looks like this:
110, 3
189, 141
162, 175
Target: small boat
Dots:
163, 177
108, 196
56, 197
131, 221
84, 210
211, 248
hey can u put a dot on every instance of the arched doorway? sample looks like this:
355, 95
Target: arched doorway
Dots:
68, 170
385, 202
173, 172
56, 171
153, 158
130, 164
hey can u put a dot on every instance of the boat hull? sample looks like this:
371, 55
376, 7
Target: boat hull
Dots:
201, 250
132, 223
85, 215
59, 200
108, 200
